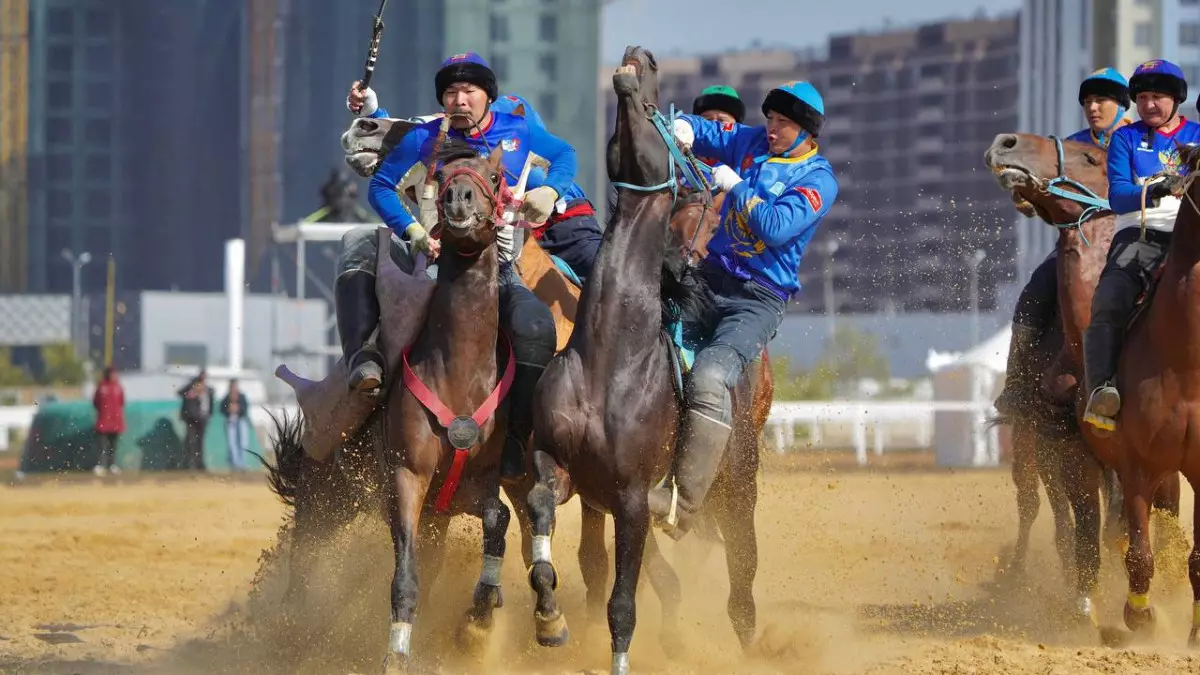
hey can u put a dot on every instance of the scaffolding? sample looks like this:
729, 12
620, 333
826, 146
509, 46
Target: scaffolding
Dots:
266, 29
14, 135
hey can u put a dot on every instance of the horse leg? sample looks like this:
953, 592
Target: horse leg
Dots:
405, 518
1139, 559
632, 519
1025, 469
1114, 519
593, 560
1082, 475
473, 634
517, 496
1165, 510
550, 625
1050, 468
735, 515
666, 586
1194, 569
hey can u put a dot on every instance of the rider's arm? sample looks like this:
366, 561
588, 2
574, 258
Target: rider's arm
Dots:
799, 208
1124, 192
382, 192
510, 102
558, 153
715, 139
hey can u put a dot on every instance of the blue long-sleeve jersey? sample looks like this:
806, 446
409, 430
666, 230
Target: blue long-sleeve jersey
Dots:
1135, 154
514, 134
509, 104
768, 219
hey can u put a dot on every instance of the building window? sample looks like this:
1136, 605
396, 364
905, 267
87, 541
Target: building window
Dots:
1143, 34
99, 58
98, 22
548, 106
60, 95
1191, 72
499, 64
98, 204
1189, 33
96, 167
98, 132
61, 21
59, 130
98, 95
59, 203
709, 67
548, 27
499, 28
548, 63
59, 167
61, 59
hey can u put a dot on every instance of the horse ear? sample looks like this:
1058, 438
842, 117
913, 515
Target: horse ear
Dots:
495, 157
411, 193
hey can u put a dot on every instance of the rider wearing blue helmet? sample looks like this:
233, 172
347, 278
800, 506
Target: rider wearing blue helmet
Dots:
1104, 96
1143, 153
777, 194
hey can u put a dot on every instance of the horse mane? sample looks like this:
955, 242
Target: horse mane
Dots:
452, 150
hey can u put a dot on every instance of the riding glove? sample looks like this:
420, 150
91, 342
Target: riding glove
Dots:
725, 177
538, 204
1165, 187
420, 239
684, 135
370, 104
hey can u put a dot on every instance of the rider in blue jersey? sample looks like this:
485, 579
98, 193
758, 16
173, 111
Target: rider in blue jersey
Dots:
466, 87
778, 190
1104, 96
1140, 154
571, 232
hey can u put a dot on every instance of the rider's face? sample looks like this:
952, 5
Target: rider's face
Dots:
781, 133
466, 104
1154, 108
718, 116
1100, 112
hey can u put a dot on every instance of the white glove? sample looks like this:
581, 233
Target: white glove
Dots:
683, 132
421, 241
369, 105
725, 177
538, 204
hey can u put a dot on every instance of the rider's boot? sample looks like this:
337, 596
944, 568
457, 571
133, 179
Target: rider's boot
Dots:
1101, 348
1021, 382
701, 445
357, 318
520, 421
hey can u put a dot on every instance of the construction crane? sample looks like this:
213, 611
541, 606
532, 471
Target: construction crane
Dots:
14, 134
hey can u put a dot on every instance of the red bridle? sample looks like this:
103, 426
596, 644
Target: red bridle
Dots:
499, 197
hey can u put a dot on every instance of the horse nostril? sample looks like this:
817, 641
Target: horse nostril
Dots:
1008, 141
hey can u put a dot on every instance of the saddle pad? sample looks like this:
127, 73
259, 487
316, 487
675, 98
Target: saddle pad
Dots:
566, 270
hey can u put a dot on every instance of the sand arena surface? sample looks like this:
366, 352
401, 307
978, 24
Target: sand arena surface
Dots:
871, 573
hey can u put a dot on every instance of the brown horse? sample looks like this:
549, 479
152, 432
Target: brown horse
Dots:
1061, 182
605, 409
1158, 431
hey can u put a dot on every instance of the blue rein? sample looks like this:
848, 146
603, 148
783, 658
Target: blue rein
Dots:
1094, 202
693, 170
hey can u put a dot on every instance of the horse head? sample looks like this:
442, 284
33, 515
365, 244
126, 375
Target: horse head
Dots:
471, 196
693, 223
369, 140
1032, 168
636, 86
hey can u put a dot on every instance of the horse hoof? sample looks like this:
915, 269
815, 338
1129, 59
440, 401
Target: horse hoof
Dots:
472, 636
625, 81
1086, 611
1138, 619
552, 631
671, 644
1194, 638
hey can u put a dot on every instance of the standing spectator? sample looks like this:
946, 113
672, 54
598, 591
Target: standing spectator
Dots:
196, 410
236, 410
109, 401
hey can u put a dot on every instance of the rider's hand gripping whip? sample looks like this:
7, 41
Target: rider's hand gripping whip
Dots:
373, 49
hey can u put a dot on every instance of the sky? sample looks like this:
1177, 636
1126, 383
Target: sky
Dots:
709, 26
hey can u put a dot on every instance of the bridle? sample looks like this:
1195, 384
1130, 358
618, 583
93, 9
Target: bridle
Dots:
499, 197
1080, 194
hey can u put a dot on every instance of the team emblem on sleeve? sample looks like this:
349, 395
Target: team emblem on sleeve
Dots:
510, 144
728, 126
813, 197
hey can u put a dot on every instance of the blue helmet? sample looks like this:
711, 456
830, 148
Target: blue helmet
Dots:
1160, 76
469, 67
799, 102
1108, 83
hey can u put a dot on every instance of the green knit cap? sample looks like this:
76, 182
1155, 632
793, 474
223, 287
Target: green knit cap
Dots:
720, 97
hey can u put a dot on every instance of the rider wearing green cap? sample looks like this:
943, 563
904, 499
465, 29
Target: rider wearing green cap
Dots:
720, 103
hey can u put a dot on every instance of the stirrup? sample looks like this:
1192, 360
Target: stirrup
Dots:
671, 521
1103, 424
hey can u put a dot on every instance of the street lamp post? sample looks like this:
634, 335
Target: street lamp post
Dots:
828, 248
973, 261
77, 330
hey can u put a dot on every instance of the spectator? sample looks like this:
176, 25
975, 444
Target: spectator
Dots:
109, 401
196, 410
236, 410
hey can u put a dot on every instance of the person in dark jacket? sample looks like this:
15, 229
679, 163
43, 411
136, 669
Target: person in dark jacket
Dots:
109, 401
236, 409
196, 409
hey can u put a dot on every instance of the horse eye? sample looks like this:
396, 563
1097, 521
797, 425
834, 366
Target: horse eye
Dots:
1092, 159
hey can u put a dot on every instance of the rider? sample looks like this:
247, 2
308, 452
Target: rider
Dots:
777, 194
719, 103
466, 87
572, 232
1145, 152
1104, 96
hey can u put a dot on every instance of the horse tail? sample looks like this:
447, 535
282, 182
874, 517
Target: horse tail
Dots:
284, 476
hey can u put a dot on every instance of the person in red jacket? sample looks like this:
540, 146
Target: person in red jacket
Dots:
109, 400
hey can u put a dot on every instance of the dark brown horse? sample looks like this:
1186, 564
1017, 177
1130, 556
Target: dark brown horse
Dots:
605, 409
1053, 179
1158, 430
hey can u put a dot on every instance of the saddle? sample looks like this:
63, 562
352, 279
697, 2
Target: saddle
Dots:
1149, 287
679, 355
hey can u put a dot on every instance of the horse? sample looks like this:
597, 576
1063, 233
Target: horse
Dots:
605, 410
1066, 458
1156, 434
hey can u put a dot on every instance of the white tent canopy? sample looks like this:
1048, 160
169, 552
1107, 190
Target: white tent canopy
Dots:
964, 438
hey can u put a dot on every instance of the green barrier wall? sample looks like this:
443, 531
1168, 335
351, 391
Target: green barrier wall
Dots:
62, 439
